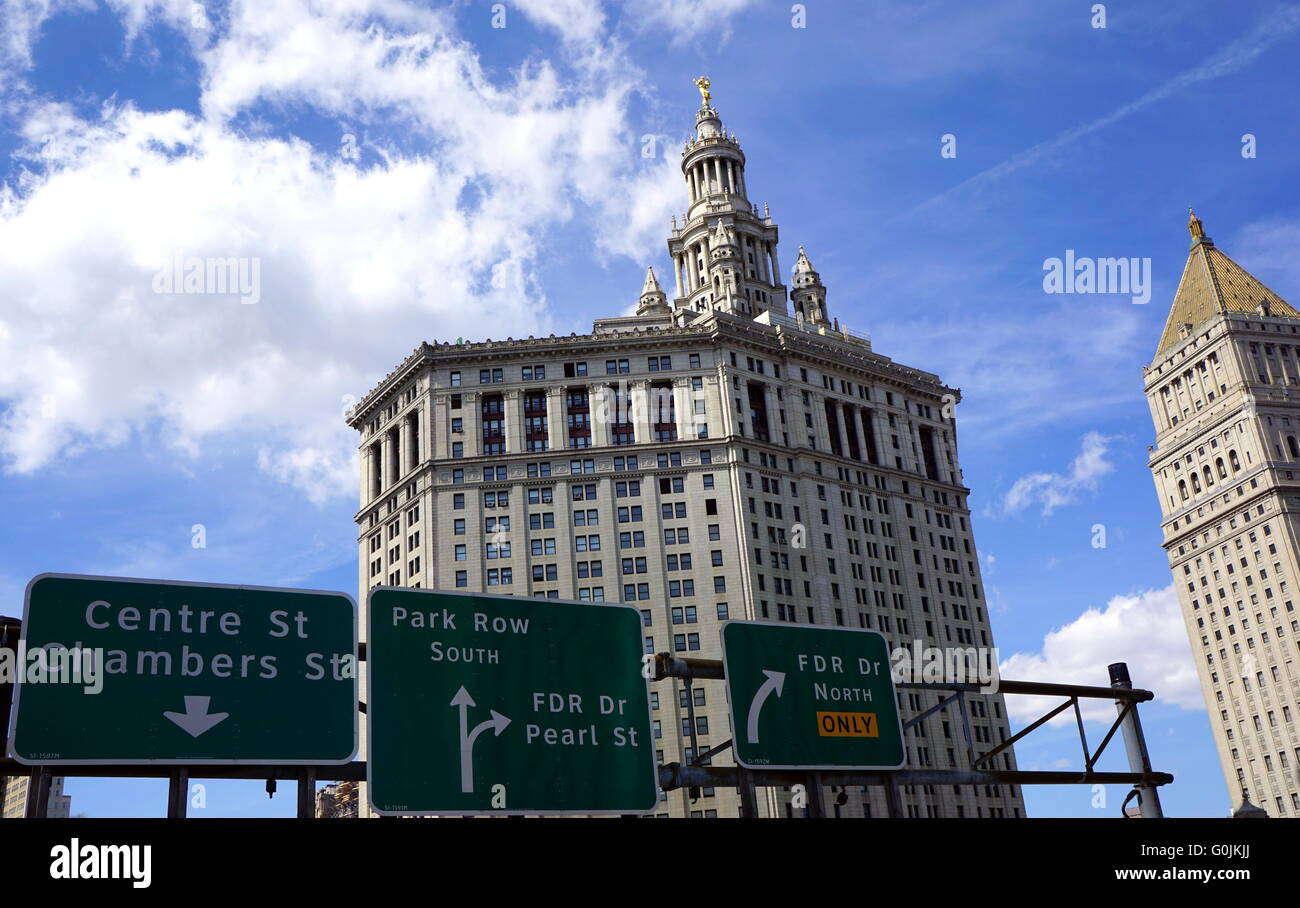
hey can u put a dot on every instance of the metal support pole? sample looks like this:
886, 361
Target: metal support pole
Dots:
692, 793
306, 793
38, 793
816, 809
748, 795
893, 805
1135, 743
178, 794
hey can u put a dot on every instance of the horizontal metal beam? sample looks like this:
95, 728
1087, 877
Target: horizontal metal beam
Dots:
346, 772
669, 666
675, 775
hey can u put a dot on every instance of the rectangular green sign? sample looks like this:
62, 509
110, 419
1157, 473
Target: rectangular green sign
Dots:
810, 698
479, 703
115, 670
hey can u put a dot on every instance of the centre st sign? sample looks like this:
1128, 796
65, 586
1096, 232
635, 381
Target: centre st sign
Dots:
810, 698
114, 670
479, 703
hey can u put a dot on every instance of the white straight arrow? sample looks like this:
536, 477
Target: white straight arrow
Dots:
196, 719
498, 723
775, 682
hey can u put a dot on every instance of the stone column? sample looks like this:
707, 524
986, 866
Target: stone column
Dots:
715, 407
854, 426
512, 411
821, 427
366, 466
600, 406
683, 408
884, 444
641, 410
867, 423
841, 412
385, 473
412, 440
773, 405
440, 427
677, 273
557, 435
473, 423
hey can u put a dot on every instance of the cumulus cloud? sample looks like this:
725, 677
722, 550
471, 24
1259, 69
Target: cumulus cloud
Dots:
686, 20
574, 20
1144, 629
1054, 490
432, 227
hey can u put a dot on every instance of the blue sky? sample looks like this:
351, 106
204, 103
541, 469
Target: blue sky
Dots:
494, 183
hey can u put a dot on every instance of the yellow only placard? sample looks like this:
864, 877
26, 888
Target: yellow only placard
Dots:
847, 725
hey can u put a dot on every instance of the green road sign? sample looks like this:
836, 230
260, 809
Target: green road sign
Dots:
810, 698
113, 670
499, 704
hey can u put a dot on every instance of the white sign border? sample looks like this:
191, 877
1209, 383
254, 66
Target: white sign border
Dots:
850, 767
510, 811
27, 601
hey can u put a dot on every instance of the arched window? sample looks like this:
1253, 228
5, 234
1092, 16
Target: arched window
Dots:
1223, 471
1209, 477
1295, 449
1232, 459
1196, 483
1182, 488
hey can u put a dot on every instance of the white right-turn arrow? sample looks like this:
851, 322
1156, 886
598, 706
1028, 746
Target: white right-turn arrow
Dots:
775, 682
497, 723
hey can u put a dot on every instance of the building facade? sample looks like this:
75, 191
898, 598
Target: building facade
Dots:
13, 798
734, 453
1224, 391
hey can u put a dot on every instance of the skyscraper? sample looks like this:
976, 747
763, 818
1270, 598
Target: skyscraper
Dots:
1224, 390
711, 457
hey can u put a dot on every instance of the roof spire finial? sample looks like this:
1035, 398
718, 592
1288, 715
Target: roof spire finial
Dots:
703, 83
1194, 225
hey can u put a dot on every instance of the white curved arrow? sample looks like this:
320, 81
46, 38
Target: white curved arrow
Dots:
196, 719
775, 682
497, 723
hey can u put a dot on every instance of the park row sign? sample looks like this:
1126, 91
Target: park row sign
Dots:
501, 704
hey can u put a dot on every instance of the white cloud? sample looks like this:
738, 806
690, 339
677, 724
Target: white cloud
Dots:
574, 20
686, 20
437, 234
1146, 630
1054, 490
1267, 249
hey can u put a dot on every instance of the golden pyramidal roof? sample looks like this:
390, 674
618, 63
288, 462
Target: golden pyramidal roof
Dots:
1213, 284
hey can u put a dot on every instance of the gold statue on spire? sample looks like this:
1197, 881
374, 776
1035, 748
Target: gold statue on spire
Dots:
703, 83
1194, 225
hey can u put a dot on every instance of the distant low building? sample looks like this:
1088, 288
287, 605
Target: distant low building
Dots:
13, 799
337, 802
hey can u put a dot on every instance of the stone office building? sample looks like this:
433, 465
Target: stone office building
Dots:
733, 452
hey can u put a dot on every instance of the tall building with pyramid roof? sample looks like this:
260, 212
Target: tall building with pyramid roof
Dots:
1224, 391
